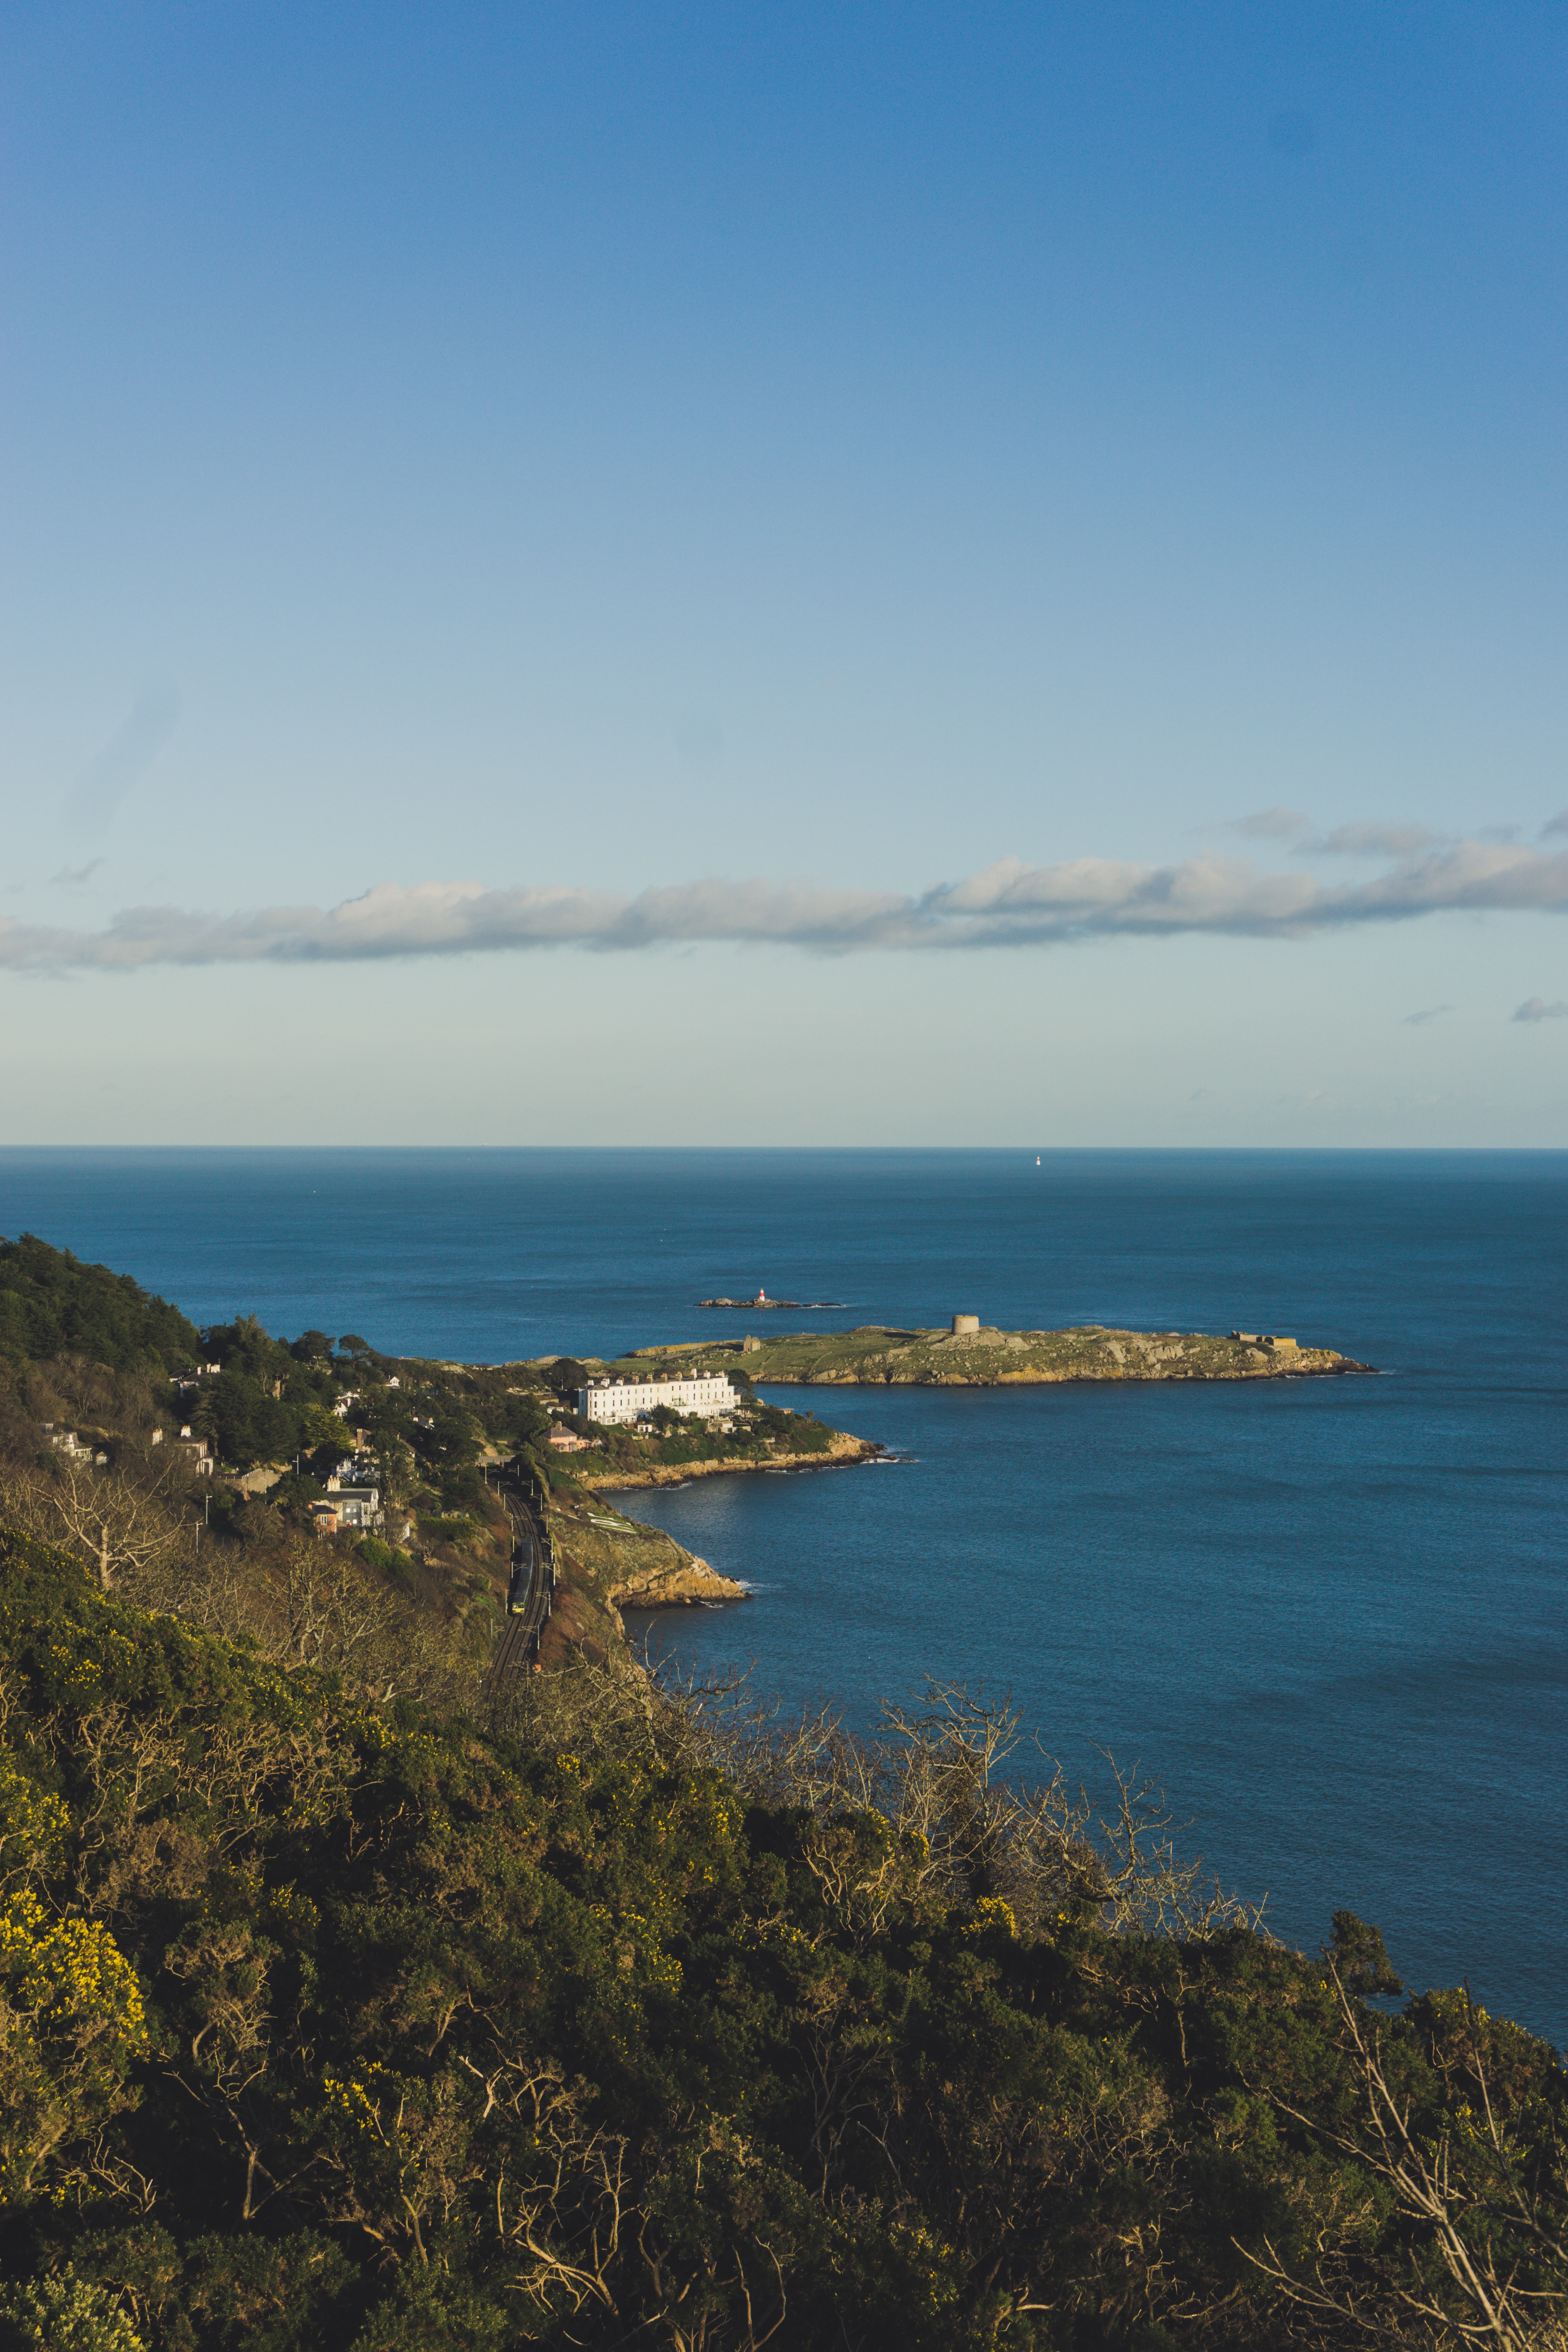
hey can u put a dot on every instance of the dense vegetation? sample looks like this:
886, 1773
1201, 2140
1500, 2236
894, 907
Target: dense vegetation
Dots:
347, 2002
331, 2023
53, 1305
86, 1460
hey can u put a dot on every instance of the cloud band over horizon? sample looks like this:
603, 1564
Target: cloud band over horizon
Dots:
1008, 904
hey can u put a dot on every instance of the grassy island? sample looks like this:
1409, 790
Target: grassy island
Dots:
880, 1355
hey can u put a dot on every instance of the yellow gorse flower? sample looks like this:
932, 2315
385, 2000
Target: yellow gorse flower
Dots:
32, 1821
358, 2102
69, 1972
990, 1911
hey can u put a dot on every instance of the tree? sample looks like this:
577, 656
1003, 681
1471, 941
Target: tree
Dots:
65, 2314
315, 1426
530, 1419
616, 2025
336, 1615
1361, 1958
113, 1527
1483, 2198
51, 1305
245, 1423
245, 1347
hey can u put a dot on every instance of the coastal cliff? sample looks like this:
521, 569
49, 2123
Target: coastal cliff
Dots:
606, 1563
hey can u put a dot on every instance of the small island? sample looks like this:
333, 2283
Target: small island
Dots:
762, 1304
968, 1354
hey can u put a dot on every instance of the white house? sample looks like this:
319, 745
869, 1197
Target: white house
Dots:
621, 1400
348, 1507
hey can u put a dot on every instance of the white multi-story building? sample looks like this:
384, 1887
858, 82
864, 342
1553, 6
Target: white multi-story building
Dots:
623, 1399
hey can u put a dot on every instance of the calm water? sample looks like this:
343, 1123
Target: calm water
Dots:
1329, 1615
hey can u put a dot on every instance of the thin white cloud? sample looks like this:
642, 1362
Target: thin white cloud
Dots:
1376, 840
1535, 1008
1271, 823
126, 757
1007, 904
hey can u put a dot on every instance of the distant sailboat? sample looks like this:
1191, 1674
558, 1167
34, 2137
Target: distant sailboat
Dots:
1036, 1159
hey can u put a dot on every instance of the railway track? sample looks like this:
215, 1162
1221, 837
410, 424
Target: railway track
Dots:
531, 1592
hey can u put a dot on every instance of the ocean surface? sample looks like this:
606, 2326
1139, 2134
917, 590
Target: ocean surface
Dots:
1327, 1615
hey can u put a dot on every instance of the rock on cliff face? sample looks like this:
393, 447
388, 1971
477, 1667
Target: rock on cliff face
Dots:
694, 1582
841, 1450
607, 1563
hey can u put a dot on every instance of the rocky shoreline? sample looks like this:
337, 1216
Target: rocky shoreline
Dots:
693, 1585
841, 1454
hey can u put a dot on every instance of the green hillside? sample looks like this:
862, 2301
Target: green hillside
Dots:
51, 1304
332, 2024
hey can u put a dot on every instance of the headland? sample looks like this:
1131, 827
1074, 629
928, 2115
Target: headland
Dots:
607, 1563
815, 1448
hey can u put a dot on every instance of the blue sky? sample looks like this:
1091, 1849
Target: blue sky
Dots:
749, 473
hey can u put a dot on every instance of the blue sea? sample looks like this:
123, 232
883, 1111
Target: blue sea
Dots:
1327, 1615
